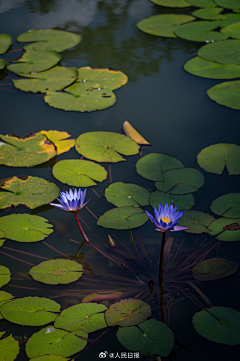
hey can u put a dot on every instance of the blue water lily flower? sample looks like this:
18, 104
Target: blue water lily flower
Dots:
166, 218
72, 201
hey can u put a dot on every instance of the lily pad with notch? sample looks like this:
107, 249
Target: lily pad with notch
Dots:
202, 3
5, 297
127, 194
201, 31
3, 63
228, 4
57, 342
227, 205
5, 42
9, 348
152, 165
79, 173
123, 218
182, 202
210, 14
223, 52
171, 3
88, 317
163, 24
232, 30
214, 158
48, 39
218, 324
226, 229
214, 269
151, 337
30, 191
53, 79
57, 271
105, 146
127, 312
59, 140
196, 221
226, 94
30, 311
5, 276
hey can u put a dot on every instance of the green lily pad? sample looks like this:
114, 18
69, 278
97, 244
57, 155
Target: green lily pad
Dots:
55, 40
226, 94
151, 337
105, 146
81, 97
182, 202
54, 79
228, 4
25, 227
30, 311
233, 16
209, 69
5, 42
58, 342
59, 140
5, 297
218, 324
232, 30
3, 63
224, 23
88, 317
57, 271
196, 221
32, 192
181, 181
9, 348
202, 3
226, 229
227, 205
213, 269
35, 61
106, 78
25, 152
122, 217
49, 358
210, 14
126, 194
127, 312
153, 165
5, 276
2, 239
171, 3
214, 158
163, 24
224, 52
200, 31
79, 173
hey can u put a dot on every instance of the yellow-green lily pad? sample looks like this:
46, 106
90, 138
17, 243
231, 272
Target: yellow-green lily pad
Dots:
227, 205
171, 3
5, 42
210, 14
214, 268
127, 194
228, 4
3, 63
182, 202
226, 94
49, 358
232, 30
202, 3
5, 276
223, 52
59, 140
9, 348
201, 31
5, 297
122, 218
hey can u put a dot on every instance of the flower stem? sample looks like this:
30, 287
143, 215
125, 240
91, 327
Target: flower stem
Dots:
161, 276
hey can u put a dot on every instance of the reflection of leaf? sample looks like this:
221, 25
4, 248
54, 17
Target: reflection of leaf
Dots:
227, 205
133, 134
5, 42
5, 275
9, 348
218, 228
213, 269
200, 31
117, 218
126, 194
59, 140
196, 221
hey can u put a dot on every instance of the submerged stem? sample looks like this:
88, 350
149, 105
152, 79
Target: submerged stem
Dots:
161, 276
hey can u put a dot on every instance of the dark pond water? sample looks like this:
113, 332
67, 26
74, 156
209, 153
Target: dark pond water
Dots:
167, 105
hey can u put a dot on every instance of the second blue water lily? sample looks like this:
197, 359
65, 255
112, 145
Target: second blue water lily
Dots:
72, 201
166, 218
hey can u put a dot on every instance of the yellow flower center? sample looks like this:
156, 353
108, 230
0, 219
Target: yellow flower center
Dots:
166, 220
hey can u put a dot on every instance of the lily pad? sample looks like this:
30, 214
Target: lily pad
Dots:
228, 4
57, 271
196, 221
200, 31
181, 181
218, 324
232, 30
209, 69
133, 134
32, 192
49, 39
126, 194
214, 158
59, 140
49, 358
226, 94
105, 146
210, 14
171, 3
202, 3
25, 152
106, 78
223, 52
151, 337
153, 165
9, 348
5, 297
79, 173
2, 239
127, 312
227, 205
5, 42
30, 311
122, 217
5, 276
81, 97
58, 342
88, 317
213, 269
182, 202
163, 24
3, 63
226, 229
25, 227
54, 79
35, 61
